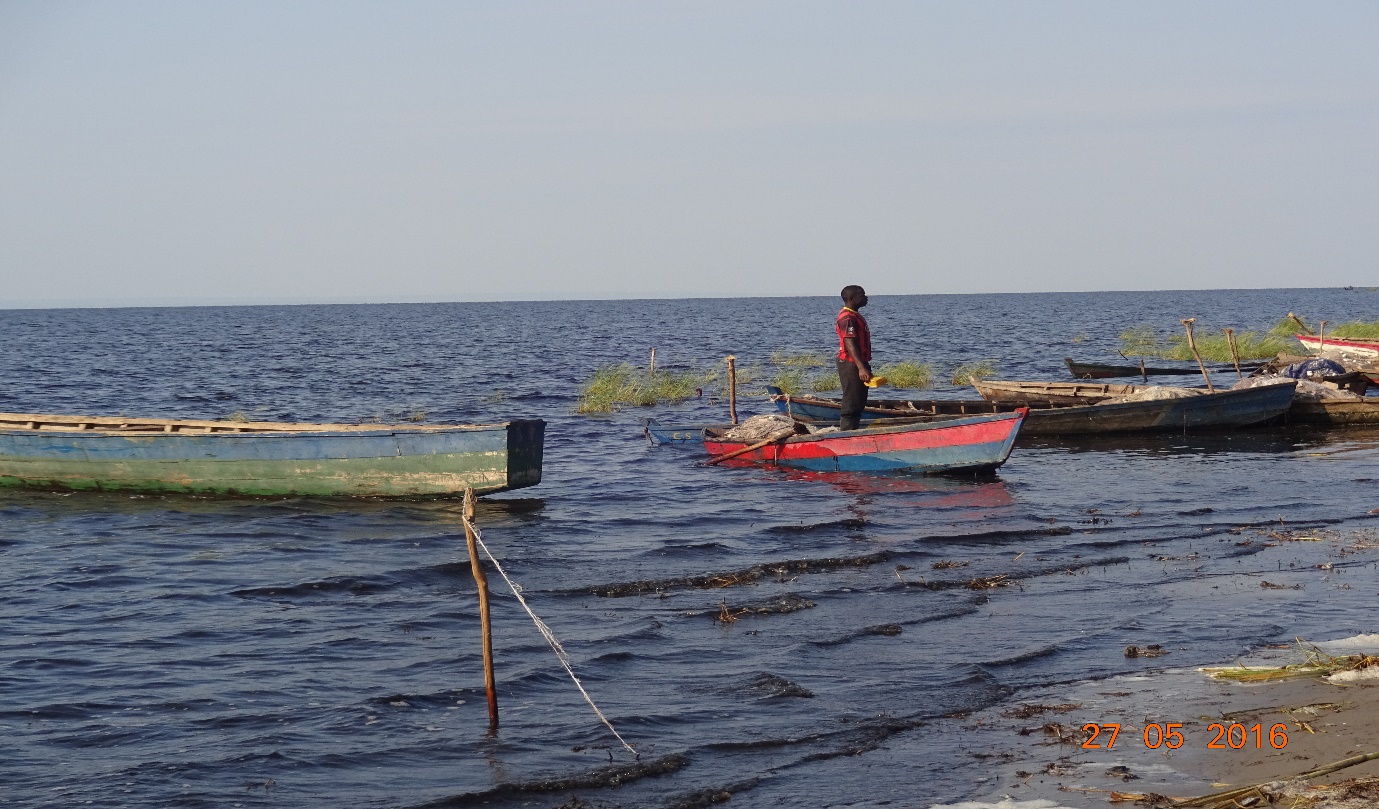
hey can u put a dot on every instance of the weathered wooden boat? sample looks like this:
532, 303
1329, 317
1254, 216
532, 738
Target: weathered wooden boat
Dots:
657, 433
817, 408
266, 458
1225, 410
958, 444
1334, 412
1066, 393
1354, 345
1092, 370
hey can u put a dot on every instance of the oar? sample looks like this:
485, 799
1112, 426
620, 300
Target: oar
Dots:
780, 436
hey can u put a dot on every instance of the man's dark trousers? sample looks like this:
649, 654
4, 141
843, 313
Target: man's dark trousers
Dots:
854, 396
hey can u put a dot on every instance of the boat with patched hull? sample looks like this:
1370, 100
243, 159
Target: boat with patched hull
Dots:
271, 459
1059, 415
938, 445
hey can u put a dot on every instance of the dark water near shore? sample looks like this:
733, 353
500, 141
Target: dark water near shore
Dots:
187, 652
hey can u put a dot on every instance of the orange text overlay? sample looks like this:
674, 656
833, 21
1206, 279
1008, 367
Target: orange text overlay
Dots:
1219, 736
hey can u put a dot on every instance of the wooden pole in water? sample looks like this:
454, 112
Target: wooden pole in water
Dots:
1192, 344
732, 388
1235, 355
486, 626
652, 368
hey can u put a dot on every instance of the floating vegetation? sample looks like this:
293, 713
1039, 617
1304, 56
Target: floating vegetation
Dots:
907, 374
1316, 663
1141, 341
791, 381
973, 372
494, 397
798, 360
1250, 345
238, 416
824, 383
614, 385
1357, 329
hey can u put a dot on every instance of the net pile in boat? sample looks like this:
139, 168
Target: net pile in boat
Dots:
1154, 393
1306, 389
757, 428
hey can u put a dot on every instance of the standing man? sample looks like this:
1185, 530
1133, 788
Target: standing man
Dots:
854, 356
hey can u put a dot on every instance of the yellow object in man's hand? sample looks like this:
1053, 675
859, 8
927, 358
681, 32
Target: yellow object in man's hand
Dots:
876, 381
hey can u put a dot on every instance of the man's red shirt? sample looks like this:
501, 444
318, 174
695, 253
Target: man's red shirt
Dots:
851, 324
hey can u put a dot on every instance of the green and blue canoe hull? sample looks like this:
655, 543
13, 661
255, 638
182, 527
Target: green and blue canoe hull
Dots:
389, 462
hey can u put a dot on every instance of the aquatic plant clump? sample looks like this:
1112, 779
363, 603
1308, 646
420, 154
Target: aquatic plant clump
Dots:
824, 383
615, 385
907, 374
1141, 341
1356, 329
791, 381
781, 358
1250, 345
973, 372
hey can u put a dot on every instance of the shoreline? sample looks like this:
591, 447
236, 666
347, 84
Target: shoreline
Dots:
1036, 744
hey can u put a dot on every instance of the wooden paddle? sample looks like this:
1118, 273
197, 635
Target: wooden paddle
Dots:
779, 436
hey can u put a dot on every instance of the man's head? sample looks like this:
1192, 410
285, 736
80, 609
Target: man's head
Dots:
854, 297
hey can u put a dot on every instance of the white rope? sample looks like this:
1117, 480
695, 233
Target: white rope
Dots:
546, 633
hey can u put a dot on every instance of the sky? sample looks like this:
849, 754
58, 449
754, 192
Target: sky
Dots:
271, 152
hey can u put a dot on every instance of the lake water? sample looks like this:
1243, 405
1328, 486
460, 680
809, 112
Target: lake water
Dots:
185, 652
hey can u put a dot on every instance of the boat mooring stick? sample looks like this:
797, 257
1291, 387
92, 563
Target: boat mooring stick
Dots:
780, 436
732, 388
560, 653
1235, 355
652, 368
485, 624
1192, 344
1321, 336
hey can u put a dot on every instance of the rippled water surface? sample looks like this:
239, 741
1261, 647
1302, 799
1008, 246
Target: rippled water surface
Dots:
190, 652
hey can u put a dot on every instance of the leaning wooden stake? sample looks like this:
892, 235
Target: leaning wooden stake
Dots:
486, 626
1321, 336
1235, 354
732, 388
1192, 344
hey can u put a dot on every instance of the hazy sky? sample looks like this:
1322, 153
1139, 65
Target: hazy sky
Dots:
415, 151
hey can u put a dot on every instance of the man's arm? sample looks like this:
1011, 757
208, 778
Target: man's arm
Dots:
863, 370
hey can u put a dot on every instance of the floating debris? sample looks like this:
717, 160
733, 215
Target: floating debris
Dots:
777, 605
750, 575
944, 564
1316, 664
1268, 585
1029, 711
990, 582
1152, 650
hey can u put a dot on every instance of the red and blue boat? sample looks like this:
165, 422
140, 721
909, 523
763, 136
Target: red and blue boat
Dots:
939, 445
